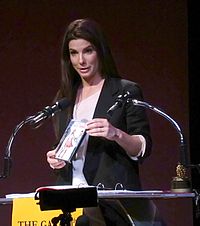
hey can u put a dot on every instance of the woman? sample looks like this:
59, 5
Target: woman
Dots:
113, 146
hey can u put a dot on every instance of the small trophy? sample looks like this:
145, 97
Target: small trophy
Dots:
180, 183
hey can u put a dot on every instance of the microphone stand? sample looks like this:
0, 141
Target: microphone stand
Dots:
180, 183
36, 122
7, 156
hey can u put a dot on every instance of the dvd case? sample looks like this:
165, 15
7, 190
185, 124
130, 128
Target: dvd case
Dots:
71, 140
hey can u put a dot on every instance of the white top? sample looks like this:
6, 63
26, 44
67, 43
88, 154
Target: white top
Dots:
80, 112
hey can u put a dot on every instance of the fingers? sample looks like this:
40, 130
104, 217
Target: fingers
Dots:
97, 126
100, 127
53, 162
97, 123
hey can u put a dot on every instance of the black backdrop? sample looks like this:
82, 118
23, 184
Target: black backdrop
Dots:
194, 93
150, 44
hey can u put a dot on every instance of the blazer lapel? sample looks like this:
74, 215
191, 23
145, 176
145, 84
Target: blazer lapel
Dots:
106, 98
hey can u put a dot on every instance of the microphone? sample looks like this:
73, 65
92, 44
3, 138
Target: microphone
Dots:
49, 111
122, 98
181, 182
46, 113
183, 152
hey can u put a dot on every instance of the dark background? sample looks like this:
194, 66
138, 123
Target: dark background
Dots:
194, 93
150, 43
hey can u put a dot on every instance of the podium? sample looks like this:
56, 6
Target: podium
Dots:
120, 194
112, 195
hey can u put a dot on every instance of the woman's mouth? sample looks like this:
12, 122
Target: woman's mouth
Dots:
84, 70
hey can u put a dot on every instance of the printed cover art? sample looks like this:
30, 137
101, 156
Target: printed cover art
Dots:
70, 140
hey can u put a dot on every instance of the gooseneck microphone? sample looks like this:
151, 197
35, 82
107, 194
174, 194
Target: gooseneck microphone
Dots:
127, 98
183, 154
48, 112
34, 120
181, 182
121, 99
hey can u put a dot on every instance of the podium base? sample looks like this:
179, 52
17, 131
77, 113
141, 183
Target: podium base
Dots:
180, 185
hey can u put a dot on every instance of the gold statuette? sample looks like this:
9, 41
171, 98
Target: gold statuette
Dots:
180, 183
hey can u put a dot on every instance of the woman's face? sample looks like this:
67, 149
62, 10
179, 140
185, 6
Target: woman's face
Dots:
84, 58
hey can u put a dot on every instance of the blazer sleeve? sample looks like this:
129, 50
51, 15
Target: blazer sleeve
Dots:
137, 122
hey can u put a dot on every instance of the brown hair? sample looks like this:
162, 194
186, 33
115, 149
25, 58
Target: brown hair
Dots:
70, 80
89, 30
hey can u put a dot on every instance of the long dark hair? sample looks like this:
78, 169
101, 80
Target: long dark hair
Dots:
70, 80
90, 31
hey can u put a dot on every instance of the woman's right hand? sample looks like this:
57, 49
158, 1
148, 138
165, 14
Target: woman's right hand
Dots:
53, 162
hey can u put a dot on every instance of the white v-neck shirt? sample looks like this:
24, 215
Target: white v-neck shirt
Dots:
84, 110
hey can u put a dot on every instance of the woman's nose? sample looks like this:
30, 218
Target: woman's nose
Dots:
81, 59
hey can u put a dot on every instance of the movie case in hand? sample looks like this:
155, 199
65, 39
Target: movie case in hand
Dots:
71, 140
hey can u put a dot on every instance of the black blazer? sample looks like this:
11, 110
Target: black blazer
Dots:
106, 162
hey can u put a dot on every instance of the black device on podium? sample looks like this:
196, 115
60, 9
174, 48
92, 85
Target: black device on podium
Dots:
66, 200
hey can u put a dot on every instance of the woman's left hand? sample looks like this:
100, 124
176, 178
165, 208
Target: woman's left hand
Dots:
100, 127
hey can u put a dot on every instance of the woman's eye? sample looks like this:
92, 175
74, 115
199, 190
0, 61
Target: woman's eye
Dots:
90, 50
72, 53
